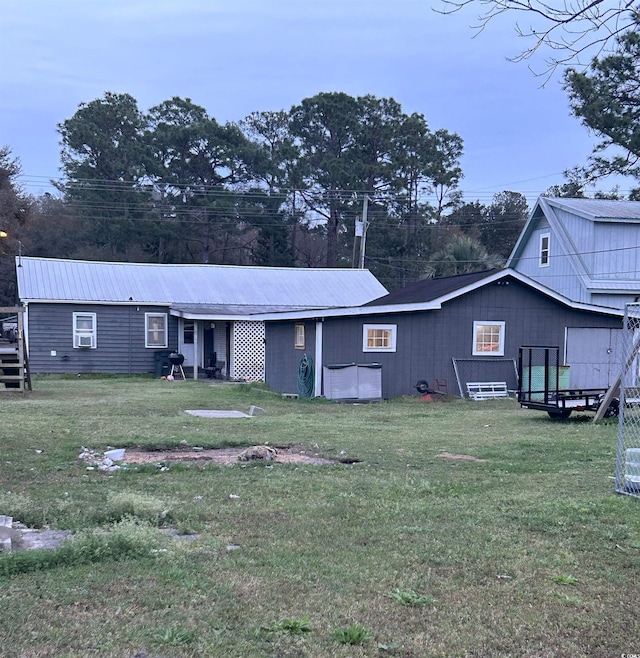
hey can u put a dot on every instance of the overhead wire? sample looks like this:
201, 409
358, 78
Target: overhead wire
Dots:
235, 213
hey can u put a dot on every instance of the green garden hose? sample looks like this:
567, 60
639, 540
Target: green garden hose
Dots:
306, 377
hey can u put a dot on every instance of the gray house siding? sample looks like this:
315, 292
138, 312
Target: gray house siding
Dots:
559, 274
427, 340
614, 300
282, 359
623, 240
120, 339
594, 246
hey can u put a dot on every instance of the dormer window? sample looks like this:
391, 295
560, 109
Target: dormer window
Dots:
545, 239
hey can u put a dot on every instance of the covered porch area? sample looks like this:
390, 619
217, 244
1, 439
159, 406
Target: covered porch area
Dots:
219, 344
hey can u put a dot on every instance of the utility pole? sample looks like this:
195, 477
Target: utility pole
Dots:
365, 225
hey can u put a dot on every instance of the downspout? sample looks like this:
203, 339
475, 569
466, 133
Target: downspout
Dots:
317, 388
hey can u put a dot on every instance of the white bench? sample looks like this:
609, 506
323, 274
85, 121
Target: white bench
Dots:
487, 390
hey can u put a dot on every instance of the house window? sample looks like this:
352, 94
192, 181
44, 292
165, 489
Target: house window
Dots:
488, 338
84, 330
189, 331
299, 336
155, 329
544, 249
379, 337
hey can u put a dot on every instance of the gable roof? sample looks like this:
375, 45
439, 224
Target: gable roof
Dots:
597, 209
420, 297
594, 210
595, 268
237, 289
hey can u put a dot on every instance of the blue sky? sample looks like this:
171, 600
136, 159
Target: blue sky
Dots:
236, 57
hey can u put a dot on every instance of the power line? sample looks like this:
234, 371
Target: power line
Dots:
216, 188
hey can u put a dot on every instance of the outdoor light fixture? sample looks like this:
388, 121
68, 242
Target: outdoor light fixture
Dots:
4, 234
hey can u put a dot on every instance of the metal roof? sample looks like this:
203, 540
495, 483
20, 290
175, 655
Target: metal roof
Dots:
599, 209
45, 279
420, 297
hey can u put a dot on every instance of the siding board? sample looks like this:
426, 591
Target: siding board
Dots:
282, 359
427, 341
120, 339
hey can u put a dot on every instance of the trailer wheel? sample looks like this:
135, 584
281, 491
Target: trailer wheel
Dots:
561, 413
613, 410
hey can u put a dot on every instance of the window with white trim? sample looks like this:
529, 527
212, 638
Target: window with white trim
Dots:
379, 337
488, 339
188, 332
545, 240
299, 341
85, 330
155, 327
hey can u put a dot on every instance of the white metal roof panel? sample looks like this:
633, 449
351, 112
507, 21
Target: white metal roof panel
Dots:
45, 279
599, 209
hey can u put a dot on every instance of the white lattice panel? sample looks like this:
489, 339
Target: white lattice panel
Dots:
248, 351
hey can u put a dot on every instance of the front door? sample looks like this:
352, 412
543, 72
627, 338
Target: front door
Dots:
186, 342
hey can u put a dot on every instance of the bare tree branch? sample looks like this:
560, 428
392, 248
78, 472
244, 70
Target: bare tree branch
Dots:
568, 28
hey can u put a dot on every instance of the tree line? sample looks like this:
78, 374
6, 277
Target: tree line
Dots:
289, 188
284, 188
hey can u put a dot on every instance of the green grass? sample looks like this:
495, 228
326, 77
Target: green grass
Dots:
529, 553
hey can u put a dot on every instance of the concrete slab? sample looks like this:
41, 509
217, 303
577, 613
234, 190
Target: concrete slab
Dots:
32, 539
217, 413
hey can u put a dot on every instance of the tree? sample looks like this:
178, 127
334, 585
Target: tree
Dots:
495, 227
16, 210
607, 100
326, 126
195, 164
56, 231
504, 222
403, 238
273, 163
566, 29
461, 255
104, 158
467, 219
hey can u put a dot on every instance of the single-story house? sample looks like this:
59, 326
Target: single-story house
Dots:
104, 317
448, 331
588, 250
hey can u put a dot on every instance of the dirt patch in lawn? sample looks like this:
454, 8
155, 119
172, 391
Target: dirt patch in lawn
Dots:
224, 456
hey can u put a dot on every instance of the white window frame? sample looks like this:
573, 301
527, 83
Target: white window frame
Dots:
299, 340
148, 329
85, 337
189, 332
492, 323
545, 252
391, 347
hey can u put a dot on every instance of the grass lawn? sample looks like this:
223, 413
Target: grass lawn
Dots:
525, 552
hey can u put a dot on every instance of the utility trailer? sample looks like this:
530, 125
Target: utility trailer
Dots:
543, 384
